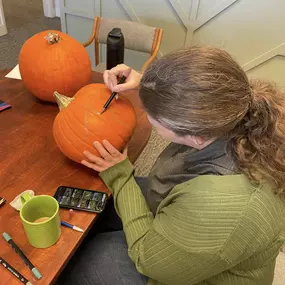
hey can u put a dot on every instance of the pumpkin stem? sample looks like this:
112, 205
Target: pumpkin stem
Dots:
61, 100
53, 38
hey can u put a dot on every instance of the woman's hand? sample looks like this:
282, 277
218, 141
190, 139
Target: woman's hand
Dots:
110, 157
111, 76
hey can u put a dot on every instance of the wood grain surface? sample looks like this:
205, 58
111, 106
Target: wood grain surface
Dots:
29, 159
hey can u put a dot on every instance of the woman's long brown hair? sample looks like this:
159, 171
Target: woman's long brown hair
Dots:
202, 91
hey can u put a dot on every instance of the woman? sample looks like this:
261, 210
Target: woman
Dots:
213, 210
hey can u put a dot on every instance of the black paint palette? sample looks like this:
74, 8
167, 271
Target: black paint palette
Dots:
81, 199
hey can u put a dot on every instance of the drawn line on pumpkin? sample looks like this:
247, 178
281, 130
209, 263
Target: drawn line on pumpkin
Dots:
79, 121
37, 65
61, 146
86, 108
95, 134
90, 111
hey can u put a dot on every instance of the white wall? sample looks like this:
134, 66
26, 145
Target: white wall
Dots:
253, 31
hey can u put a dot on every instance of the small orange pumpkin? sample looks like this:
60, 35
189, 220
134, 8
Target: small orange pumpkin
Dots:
52, 60
79, 122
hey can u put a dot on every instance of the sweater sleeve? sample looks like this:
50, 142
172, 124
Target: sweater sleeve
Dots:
154, 254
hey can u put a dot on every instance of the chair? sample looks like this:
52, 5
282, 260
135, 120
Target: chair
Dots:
138, 37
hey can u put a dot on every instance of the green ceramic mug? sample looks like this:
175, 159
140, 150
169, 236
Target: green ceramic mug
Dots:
40, 217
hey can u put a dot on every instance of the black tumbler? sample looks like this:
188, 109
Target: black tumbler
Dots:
115, 48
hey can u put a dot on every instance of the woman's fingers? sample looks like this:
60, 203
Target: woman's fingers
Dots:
111, 149
124, 86
126, 72
111, 78
93, 158
125, 151
110, 156
91, 165
103, 151
106, 78
120, 70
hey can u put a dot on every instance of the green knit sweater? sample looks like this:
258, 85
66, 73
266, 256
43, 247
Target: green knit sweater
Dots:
209, 230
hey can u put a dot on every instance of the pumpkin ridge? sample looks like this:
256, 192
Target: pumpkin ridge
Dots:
123, 139
65, 75
73, 61
69, 143
115, 117
64, 119
55, 71
78, 64
76, 60
38, 65
56, 124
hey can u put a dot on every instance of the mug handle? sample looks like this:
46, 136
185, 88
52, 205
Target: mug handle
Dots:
25, 197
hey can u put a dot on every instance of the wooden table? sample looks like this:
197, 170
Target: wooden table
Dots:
29, 159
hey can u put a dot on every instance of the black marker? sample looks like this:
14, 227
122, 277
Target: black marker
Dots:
122, 80
22, 255
20, 277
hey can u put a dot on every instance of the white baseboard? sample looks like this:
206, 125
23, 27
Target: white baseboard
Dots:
49, 10
3, 30
57, 11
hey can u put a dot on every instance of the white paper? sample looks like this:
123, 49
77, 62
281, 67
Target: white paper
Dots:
17, 203
14, 73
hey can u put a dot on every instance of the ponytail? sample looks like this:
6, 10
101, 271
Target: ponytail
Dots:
258, 141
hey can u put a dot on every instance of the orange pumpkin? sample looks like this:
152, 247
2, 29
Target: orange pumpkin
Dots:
52, 60
79, 122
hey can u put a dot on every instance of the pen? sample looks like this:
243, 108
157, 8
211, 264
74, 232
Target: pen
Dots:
22, 255
122, 80
71, 226
6, 265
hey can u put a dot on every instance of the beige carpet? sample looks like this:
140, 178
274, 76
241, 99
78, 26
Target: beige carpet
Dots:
279, 277
24, 18
155, 146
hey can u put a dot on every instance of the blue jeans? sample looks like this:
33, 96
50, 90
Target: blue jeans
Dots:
103, 258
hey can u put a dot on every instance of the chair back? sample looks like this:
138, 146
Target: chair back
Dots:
138, 37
